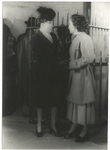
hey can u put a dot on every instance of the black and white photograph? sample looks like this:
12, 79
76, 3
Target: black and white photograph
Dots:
55, 75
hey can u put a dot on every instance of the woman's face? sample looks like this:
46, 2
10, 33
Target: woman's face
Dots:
71, 27
47, 26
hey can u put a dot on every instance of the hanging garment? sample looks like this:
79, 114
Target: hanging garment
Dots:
9, 72
24, 68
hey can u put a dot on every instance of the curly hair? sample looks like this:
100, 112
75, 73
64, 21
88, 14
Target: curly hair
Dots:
45, 14
80, 22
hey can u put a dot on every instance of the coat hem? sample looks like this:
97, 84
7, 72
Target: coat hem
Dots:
92, 101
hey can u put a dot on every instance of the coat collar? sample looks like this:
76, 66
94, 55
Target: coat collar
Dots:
73, 36
44, 38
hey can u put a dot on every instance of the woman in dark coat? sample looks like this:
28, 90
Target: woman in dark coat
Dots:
44, 46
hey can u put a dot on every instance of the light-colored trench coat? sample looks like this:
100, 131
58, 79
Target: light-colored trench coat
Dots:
81, 88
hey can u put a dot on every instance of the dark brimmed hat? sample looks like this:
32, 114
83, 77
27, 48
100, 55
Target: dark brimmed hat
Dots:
32, 21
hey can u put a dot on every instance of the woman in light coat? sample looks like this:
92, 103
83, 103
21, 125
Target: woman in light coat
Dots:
81, 89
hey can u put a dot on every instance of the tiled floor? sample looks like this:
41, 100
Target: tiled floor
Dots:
18, 133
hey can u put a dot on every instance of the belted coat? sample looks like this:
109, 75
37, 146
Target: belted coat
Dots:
81, 87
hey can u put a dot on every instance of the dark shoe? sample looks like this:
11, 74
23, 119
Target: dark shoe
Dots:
82, 139
54, 132
39, 134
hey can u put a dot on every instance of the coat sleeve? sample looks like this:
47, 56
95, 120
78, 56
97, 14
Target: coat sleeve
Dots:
87, 54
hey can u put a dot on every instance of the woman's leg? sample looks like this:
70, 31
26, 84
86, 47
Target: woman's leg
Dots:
39, 118
83, 119
53, 118
71, 115
73, 127
84, 131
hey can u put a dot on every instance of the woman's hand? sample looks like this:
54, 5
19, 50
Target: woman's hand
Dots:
64, 62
